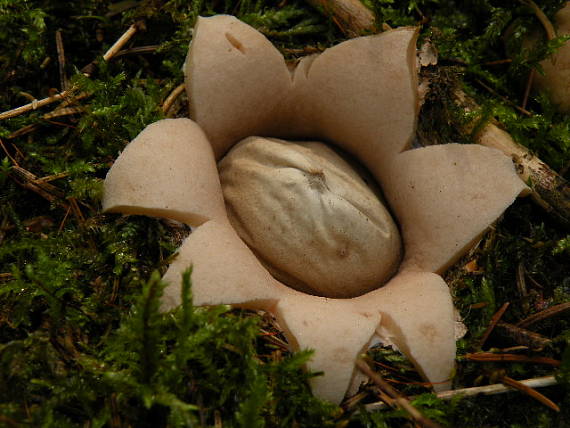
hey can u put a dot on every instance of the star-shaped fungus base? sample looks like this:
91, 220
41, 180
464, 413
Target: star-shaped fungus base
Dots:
361, 96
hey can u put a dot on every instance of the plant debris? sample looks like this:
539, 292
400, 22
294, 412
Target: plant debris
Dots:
82, 342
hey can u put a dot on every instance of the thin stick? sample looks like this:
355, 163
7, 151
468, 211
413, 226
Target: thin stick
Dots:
275, 340
499, 62
44, 194
53, 177
521, 336
530, 392
76, 210
122, 41
131, 31
527, 89
8, 153
491, 357
34, 105
494, 320
61, 110
494, 389
137, 50
62, 224
169, 101
69, 101
29, 181
65, 111
542, 315
394, 396
61, 61
351, 16
505, 99
31, 178
521, 286
23, 131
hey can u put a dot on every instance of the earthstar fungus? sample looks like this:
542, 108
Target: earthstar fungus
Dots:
360, 96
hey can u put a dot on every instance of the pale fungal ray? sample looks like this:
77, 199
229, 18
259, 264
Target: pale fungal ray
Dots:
169, 171
338, 330
235, 79
224, 271
418, 318
445, 197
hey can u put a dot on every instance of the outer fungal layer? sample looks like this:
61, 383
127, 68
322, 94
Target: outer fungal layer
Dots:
158, 175
309, 216
443, 197
437, 194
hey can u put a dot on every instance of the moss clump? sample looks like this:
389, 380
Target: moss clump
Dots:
81, 337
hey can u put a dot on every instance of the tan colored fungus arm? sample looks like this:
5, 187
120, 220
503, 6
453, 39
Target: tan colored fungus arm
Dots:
224, 271
235, 79
445, 197
418, 318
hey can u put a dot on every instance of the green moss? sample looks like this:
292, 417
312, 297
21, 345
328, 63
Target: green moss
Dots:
81, 337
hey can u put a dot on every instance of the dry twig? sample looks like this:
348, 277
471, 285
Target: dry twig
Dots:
137, 50
34, 105
64, 220
123, 40
511, 358
545, 314
527, 89
52, 177
392, 397
521, 286
505, 99
521, 336
7, 153
61, 61
169, 101
539, 382
270, 337
530, 392
29, 180
113, 50
494, 320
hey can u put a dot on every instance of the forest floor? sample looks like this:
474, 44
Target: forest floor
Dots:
82, 340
